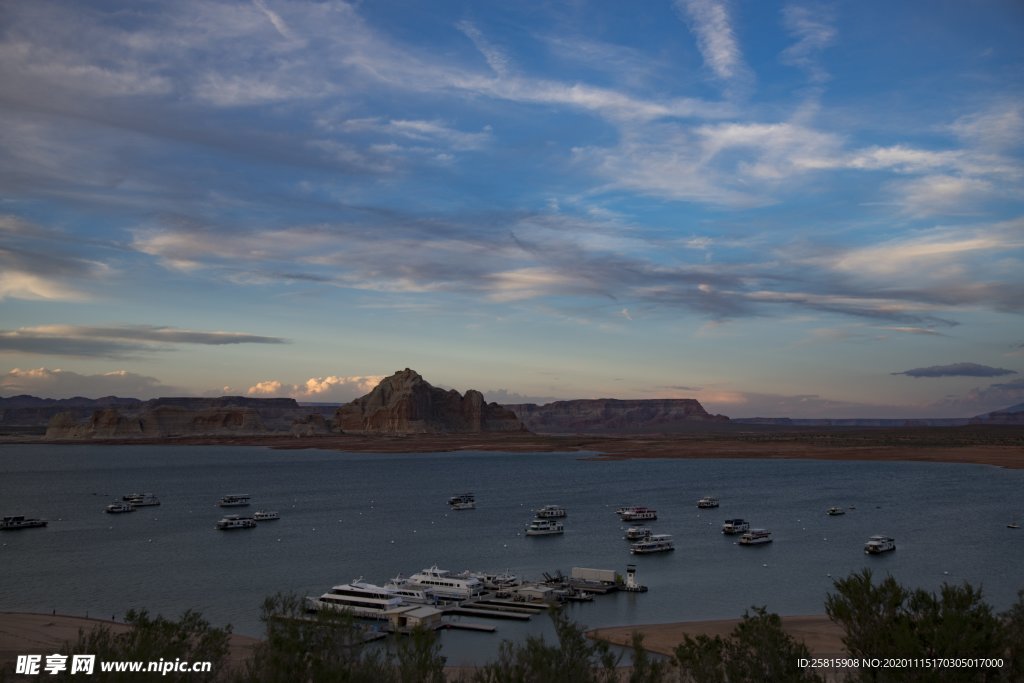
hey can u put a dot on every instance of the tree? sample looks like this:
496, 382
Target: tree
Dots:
887, 620
756, 650
573, 659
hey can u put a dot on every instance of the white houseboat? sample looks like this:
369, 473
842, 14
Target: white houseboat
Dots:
639, 514
550, 512
266, 515
655, 543
118, 507
141, 500
636, 533
447, 585
359, 598
756, 537
463, 501
735, 526
707, 502
835, 511
544, 527
234, 500
879, 544
235, 522
15, 522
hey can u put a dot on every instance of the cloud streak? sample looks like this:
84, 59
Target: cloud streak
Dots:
957, 370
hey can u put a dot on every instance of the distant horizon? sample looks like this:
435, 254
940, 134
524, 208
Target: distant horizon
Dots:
812, 210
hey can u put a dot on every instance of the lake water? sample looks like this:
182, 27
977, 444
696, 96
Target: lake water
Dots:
349, 515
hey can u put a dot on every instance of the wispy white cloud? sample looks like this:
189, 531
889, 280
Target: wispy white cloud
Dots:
496, 59
712, 26
814, 30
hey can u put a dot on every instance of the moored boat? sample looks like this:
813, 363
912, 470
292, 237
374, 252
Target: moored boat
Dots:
707, 502
879, 544
544, 527
735, 526
639, 514
835, 511
550, 512
118, 507
463, 501
635, 533
756, 537
230, 522
446, 584
359, 598
141, 500
655, 543
266, 515
234, 500
16, 522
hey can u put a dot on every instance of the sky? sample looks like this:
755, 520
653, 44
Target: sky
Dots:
802, 209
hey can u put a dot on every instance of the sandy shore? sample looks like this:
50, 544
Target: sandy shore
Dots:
818, 633
1001, 446
23, 633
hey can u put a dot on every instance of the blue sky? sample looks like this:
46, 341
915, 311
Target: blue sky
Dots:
781, 209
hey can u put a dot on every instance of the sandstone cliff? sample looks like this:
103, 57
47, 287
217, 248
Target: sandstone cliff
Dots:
405, 403
607, 415
183, 417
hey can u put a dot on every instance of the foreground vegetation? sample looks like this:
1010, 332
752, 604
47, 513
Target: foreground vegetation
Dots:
880, 620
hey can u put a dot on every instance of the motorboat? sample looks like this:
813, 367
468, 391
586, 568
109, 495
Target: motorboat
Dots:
230, 522
497, 582
446, 584
141, 500
463, 501
16, 522
544, 527
266, 515
835, 511
735, 526
756, 537
655, 543
359, 598
234, 500
639, 514
707, 502
118, 507
636, 533
550, 512
401, 587
879, 544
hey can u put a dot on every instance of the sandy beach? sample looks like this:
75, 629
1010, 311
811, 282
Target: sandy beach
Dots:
1000, 446
23, 633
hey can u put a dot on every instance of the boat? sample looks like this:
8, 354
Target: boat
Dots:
550, 512
635, 533
835, 511
735, 526
1013, 525
359, 598
401, 587
544, 527
879, 544
629, 508
756, 537
119, 506
707, 502
655, 543
265, 515
639, 514
16, 522
141, 500
497, 582
234, 500
447, 585
235, 522
463, 501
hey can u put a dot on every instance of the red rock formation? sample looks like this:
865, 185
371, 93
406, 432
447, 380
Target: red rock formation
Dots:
610, 415
405, 403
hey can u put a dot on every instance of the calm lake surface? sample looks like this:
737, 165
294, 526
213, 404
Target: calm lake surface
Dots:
350, 515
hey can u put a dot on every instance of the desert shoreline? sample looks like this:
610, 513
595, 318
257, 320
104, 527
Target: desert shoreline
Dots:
996, 446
